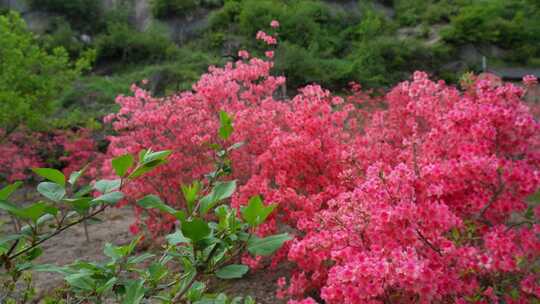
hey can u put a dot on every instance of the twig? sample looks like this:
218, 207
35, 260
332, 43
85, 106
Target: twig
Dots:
58, 231
496, 193
427, 242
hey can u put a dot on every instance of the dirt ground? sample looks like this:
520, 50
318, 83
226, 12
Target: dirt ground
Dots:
71, 245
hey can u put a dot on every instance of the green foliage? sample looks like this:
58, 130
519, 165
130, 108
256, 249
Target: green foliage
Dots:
414, 12
170, 8
61, 34
93, 96
64, 205
512, 25
122, 43
256, 213
30, 77
210, 237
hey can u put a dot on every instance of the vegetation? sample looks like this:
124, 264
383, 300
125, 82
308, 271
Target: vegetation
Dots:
31, 78
424, 192
168, 8
203, 247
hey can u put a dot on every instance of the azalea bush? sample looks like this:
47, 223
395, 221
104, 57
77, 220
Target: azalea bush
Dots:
419, 195
65, 149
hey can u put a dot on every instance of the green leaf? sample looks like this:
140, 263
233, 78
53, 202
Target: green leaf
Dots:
154, 202
53, 191
34, 253
256, 213
121, 164
36, 210
9, 207
234, 271
6, 192
147, 167
84, 190
106, 185
153, 156
157, 271
221, 191
191, 193
107, 286
114, 252
226, 128
4, 242
81, 281
140, 258
81, 205
52, 268
74, 177
196, 229
134, 292
110, 198
51, 174
177, 238
268, 245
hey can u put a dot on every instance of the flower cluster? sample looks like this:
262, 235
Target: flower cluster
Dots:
268, 39
74, 149
21, 148
417, 196
444, 174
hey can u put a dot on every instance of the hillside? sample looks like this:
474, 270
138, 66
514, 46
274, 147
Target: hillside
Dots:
375, 43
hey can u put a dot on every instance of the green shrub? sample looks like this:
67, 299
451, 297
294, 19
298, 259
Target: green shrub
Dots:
226, 16
302, 66
61, 34
123, 44
169, 8
504, 23
31, 78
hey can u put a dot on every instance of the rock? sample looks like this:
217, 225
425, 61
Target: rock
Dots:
470, 54
86, 38
38, 22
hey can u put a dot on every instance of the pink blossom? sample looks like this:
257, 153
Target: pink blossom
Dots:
243, 54
530, 80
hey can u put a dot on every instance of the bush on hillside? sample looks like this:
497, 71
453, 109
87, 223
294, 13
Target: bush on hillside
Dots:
122, 43
171, 8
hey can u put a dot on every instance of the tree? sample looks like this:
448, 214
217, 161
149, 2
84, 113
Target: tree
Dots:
30, 77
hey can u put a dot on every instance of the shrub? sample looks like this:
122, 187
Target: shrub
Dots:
202, 246
419, 196
169, 8
62, 35
427, 219
124, 44
508, 24
30, 78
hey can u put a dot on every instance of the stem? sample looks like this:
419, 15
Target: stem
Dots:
427, 242
195, 277
496, 193
179, 295
85, 225
58, 231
